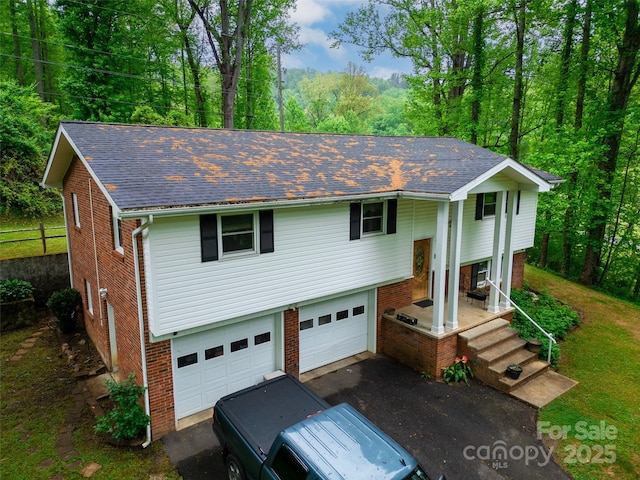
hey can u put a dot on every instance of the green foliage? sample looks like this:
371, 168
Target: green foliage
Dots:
64, 304
127, 419
554, 317
14, 290
460, 371
26, 131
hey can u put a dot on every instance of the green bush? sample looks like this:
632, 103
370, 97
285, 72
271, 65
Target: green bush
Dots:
64, 304
554, 317
127, 419
14, 290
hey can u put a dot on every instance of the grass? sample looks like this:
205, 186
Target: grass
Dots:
603, 355
30, 248
36, 393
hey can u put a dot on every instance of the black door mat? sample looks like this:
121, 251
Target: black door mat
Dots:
424, 303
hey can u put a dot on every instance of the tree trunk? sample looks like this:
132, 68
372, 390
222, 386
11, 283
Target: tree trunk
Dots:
36, 52
514, 137
544, 250
567, 241
625, 77
565, 59
478, 67
16, 43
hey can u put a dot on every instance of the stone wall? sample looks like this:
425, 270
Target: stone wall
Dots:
47, 273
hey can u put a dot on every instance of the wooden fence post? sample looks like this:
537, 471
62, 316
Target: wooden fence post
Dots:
44, 239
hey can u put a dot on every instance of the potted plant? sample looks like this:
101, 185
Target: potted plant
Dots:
534, 345
514, 371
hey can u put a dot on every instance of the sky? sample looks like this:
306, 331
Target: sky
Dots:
316, 19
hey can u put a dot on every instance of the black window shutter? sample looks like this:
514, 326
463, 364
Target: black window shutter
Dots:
479, 205
209, 237
392, 215
518, 205
354, 223
266, 231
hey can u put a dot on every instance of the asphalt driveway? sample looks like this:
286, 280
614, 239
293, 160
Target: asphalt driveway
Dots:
464, 432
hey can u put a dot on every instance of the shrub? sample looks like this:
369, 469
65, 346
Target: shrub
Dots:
64, 304
14, 290
554, 317
127, 419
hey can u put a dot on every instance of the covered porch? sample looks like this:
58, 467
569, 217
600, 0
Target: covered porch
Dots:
419, 346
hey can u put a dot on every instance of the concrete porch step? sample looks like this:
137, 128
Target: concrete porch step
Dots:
483, 342
521, 356
543, 389
481, 330
530, 371
501, 350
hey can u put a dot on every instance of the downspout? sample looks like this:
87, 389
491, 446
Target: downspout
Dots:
143, 351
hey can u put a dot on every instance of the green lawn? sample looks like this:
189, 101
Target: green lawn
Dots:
31, 248
36, 394
600, 416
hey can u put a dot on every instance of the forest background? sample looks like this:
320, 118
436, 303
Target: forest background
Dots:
549, 83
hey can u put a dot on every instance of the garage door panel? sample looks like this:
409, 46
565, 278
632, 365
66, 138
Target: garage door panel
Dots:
333, 330
221, 361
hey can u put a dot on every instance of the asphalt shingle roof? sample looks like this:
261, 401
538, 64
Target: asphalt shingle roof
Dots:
163, 167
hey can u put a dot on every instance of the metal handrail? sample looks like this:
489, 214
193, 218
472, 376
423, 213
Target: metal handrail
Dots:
548, 335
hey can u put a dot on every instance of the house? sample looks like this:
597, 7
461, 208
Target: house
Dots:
208, 258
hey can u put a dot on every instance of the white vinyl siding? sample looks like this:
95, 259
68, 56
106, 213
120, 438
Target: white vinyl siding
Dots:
314, 258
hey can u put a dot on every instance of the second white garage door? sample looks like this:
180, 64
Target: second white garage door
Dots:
333, 330
211, 364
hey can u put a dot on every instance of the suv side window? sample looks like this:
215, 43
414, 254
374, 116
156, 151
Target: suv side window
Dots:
287, 465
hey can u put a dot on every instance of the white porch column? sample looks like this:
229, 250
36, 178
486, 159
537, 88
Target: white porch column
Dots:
440, 267
454, 263
507, 259
496, 260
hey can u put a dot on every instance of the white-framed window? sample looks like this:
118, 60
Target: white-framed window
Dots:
372, 218
489, 204
227, 235
76, 210
87, 290
117, 235
238, 233
479, 274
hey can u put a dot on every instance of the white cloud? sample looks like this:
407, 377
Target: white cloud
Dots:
309, 12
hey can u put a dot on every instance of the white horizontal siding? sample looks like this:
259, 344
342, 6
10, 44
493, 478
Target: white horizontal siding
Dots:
313, 258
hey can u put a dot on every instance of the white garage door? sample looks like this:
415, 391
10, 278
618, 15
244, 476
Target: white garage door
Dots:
333, 330
211, 364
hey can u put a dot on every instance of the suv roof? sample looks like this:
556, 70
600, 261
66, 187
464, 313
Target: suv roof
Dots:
343, 444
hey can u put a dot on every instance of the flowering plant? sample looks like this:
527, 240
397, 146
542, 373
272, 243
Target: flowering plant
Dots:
459, 371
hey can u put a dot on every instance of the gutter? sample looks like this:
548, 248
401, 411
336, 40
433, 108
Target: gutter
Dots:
143, 351
161, 211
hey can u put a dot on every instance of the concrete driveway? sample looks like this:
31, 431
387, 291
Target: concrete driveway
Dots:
464, 432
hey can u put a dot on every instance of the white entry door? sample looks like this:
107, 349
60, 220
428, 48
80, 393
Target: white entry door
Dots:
333, 330
212, 364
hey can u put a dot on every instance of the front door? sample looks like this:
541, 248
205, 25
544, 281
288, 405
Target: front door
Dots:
421, 255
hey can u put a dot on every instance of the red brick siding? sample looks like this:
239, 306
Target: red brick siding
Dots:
417, 350
292, 342
116, 273
396, 295
517, 275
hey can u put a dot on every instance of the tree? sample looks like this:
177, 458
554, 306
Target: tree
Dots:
625, 76
26, 128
